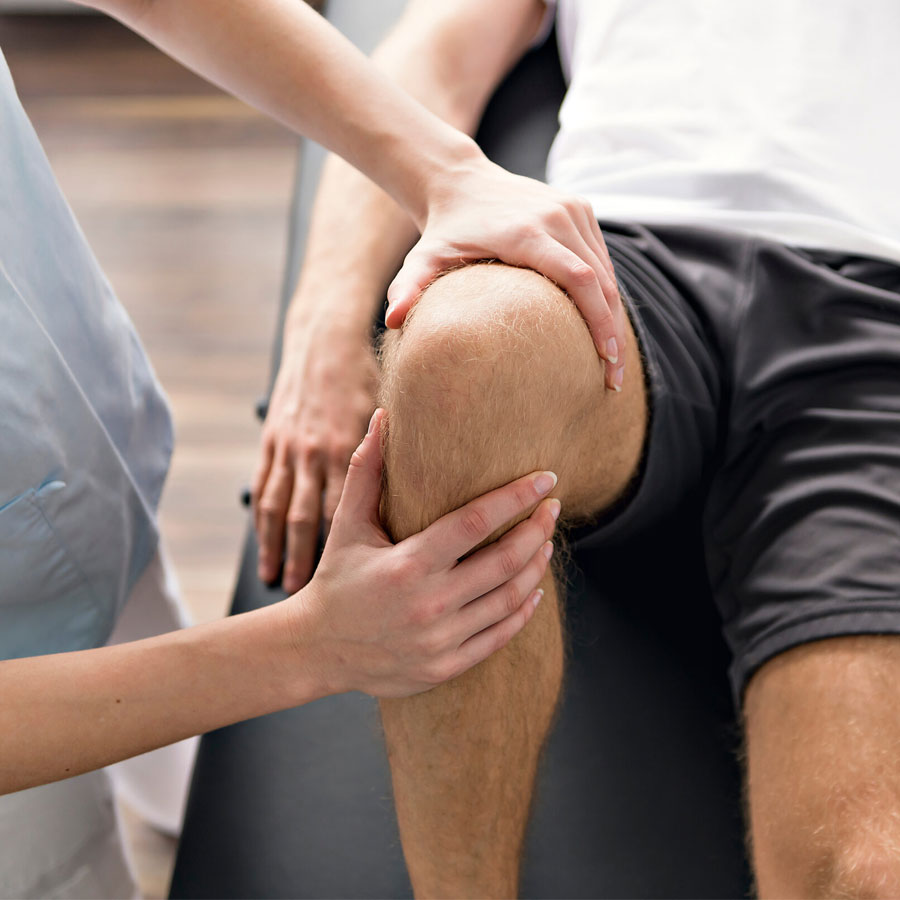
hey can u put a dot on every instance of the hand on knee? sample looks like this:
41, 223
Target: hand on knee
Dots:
495, 374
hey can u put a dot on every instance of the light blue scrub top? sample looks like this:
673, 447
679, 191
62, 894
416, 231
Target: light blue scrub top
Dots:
85, 432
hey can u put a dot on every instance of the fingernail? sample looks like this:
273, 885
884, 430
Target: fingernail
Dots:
548, 549
545, 482
618, 378
536, 596
371, 422
555, 507
612, 351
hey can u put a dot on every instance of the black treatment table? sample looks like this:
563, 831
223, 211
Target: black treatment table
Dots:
639, 792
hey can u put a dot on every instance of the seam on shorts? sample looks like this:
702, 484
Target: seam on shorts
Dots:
743, 666
648, 285
748, 273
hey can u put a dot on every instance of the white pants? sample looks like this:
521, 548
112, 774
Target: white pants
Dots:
64, 840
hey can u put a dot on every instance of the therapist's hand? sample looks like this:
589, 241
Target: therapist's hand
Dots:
324, 395
478, 210
396, 619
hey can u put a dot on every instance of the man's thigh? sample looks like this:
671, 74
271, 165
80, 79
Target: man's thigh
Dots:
802, 528
823, 756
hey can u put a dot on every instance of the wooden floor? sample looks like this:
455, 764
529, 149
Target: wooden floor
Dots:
183, 194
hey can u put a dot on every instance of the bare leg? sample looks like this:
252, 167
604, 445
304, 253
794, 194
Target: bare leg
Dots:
493, 375
823, 743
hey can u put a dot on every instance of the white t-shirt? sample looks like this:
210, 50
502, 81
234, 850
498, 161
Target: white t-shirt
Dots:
776, 117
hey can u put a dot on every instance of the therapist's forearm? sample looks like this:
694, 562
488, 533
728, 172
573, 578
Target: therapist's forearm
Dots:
68, 713
283, 58
357, 239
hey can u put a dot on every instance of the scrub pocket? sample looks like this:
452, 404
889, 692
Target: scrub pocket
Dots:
46, 604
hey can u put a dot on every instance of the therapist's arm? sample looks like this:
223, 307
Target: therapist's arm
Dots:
286, 60
387, 619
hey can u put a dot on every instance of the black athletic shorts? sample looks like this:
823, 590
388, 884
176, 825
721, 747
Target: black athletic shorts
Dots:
774, 384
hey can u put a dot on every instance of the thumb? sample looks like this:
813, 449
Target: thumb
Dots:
357, 511
419, 269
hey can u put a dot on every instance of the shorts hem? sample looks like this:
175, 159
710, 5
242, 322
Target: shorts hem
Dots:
866, 620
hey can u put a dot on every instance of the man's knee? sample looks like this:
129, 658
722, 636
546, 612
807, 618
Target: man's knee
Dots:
851, 851
493, 375
867, 867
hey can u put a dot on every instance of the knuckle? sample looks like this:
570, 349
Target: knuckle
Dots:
517, 623
300, 519
512, 597
531, 232
603, 318
574, 206
356, 459
439, 671
429, 645
500, 640
582, 275
406, 569
280, 477
508, 561
525, 495
560, 214
310, 450
269, 508
269, 438
475, 523
425, 614
285, 444
452, 669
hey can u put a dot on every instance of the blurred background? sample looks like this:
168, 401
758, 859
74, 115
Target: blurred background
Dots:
183, 194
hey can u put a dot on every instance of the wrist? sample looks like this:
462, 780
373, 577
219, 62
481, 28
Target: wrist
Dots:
436, 169
334, 307
305, 327
316, 666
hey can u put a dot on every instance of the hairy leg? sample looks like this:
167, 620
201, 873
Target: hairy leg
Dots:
823, 748
493, 375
